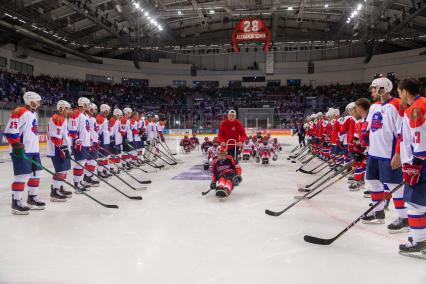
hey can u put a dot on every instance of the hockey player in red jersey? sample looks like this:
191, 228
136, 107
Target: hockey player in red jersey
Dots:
206, 145
194, 141
22, 135
358, 149
58, 149
185, 143
383, 164
225, 174
413, 158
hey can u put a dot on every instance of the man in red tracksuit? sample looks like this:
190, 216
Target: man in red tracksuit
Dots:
232, 128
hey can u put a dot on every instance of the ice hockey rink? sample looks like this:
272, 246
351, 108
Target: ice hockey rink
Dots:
176, 235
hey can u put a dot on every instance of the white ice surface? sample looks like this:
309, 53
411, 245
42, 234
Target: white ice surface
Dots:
175, 235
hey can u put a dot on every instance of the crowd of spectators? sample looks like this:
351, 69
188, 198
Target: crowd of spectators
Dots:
186, 107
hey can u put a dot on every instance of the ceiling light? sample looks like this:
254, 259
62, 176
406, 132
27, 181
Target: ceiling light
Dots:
149, 17
290, 8
359, 7
152, 21
179, 12
211, 12
326, 6
136, 5
146, 14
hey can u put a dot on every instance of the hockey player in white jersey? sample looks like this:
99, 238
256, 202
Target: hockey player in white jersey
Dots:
91, 163
383, 164
58, 149
79, 131
413, 158
212, 154
116, 140
104, 140
22, 135
247, 149
127, 137
264, 152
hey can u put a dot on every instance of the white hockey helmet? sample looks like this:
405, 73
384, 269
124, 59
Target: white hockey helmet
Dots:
319, 114
117, 112
105, 107
83, 102
30, 97
382, 83
93, 106
336, 111
62, 105
350, 106
330, 112
127, 110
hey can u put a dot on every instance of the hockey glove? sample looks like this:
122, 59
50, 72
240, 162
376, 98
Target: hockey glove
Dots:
18, 149
213, 185
206, 166
239, 178
64, 153
235, 181
358, 157
411, 173
78, 145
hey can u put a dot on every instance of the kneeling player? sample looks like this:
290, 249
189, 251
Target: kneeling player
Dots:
248, 149
225, 174
185, 143
206, 145
264, 152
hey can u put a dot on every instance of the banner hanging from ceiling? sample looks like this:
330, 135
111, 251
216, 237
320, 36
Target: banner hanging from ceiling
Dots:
251, 30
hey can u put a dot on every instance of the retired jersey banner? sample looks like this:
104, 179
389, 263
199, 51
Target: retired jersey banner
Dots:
251, 30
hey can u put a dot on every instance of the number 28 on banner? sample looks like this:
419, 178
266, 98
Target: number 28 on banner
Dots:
251, 30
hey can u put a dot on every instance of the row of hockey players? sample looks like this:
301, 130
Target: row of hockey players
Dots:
262, 148
189, 144
385, 141
99, 145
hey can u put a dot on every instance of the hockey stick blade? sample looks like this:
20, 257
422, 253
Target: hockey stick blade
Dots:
110, 206
306, 172
294, 162
145, 181
205, 192
135, 197
318, 241
140, 188
300, 197
272, 213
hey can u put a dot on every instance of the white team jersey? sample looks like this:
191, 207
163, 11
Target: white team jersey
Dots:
384, 123
135, 127
115, 131
83, 129
23, 127
103, 130
94, 135
57, 134
413, 133
125, 129
160, 128
151, 131
248, 147
265, 149
212, 152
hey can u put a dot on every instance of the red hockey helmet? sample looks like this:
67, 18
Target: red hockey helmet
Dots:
223, 152
206, 139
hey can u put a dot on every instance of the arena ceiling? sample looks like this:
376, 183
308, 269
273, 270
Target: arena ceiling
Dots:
119, 28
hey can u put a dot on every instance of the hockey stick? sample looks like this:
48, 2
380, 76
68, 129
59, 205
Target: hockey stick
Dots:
310, 159
325, 187
166, 155
320, 241
140, 181
206, 192
167, 148
324, 175
278, 213
294, 149
312, 172
161, 158
148, 162
298, 153
105, 181
113, 206
120, 178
